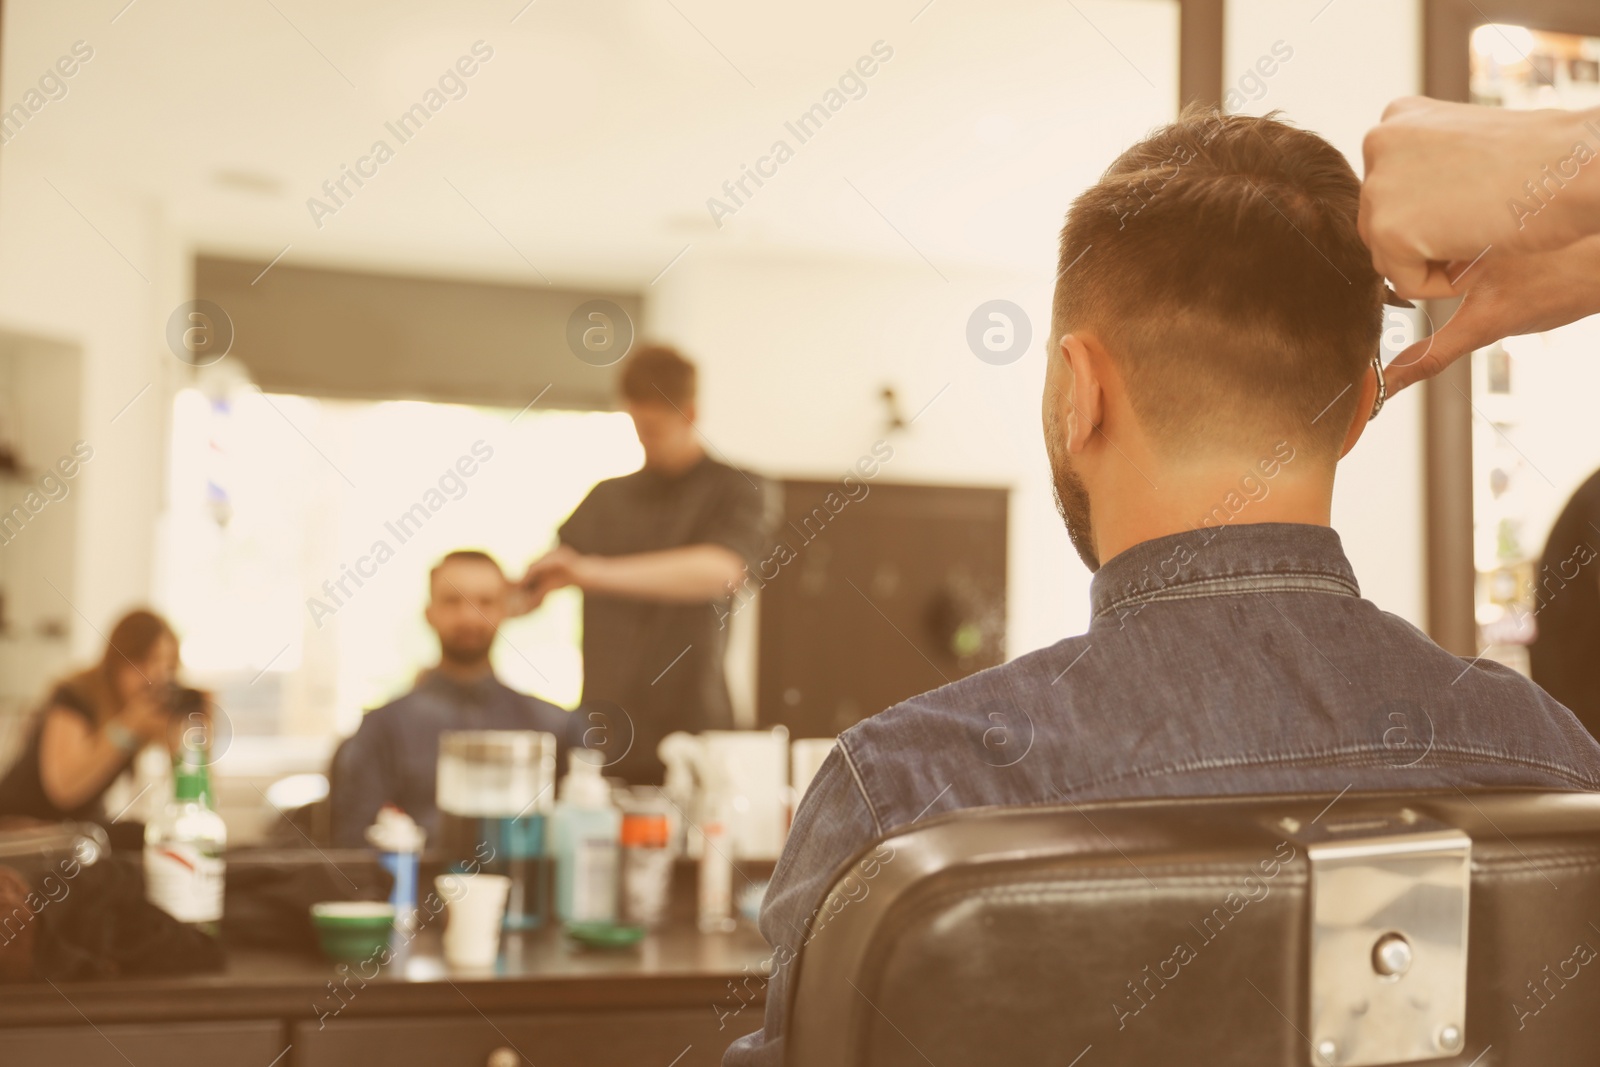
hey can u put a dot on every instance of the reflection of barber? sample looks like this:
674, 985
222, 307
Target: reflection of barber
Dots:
657, 554
1565, 658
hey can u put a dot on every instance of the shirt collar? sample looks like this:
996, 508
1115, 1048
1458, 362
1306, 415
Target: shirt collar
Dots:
663, 478
1223, 561
477, 689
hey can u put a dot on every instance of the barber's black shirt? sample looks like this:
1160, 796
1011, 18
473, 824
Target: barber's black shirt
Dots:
1566, 656
650, 666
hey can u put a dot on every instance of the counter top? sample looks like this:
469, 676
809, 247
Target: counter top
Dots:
538, 971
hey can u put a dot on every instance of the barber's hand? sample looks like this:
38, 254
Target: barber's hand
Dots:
1506, 294
554, 570
519, 599
1440, 179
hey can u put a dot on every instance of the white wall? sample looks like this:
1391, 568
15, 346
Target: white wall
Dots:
62, 279
1351, 57
87, 261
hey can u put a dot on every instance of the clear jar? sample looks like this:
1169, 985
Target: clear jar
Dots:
501, 773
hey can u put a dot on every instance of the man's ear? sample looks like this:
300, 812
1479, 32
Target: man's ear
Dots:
1084, 396
1366, 396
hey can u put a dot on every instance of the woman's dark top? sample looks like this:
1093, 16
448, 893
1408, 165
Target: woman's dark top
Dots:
21, 791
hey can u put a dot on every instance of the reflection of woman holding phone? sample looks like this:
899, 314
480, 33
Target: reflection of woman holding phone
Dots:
96, 721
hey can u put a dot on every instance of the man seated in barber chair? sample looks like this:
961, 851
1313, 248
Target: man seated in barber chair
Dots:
393, 757
1211, 357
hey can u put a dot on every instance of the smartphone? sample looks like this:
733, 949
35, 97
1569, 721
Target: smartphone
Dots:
183, 701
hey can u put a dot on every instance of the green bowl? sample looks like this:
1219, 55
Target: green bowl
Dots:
353, 930
605, 935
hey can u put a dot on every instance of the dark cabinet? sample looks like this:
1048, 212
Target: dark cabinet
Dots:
260, 1044
877, 592
579, 1039
676, 1000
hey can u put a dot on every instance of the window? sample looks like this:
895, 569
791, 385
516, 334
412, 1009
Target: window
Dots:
299, 533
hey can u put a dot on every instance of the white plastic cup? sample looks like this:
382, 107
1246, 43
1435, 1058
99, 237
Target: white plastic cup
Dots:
476, 905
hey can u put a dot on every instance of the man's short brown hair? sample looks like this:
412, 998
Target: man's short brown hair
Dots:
657, 373
461, 555
1218, 262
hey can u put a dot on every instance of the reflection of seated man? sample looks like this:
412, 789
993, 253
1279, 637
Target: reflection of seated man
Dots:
1209, 361
393, 758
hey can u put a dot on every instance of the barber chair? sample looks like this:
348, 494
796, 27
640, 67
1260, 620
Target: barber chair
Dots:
1439, 927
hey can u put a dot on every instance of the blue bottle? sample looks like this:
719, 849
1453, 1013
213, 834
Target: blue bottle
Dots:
519, 845
585, 841
399, 841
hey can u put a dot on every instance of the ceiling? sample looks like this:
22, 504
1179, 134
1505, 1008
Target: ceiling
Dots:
586, 147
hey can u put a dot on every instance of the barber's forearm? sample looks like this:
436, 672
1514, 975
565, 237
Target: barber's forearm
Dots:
1578, 204
692, 574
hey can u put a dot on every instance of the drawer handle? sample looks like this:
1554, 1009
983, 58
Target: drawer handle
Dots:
504, 1057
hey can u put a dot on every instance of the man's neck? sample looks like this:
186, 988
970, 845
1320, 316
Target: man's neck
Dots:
464, 672
675, 463
1188, 497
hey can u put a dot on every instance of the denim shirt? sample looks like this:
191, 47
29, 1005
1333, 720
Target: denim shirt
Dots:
1232, 660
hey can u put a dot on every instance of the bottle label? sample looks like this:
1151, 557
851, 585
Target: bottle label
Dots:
184, 881
646, 883
594, 880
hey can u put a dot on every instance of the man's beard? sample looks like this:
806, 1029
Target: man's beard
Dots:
1072, 499
464, 651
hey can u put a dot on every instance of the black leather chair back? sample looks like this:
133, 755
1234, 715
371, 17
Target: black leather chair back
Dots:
1186, 932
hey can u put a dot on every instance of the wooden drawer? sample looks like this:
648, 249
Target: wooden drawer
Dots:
628, 1039
259, 1044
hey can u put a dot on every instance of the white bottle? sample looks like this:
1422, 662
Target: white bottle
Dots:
183, 865
585, 838
716, 866
679, 790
